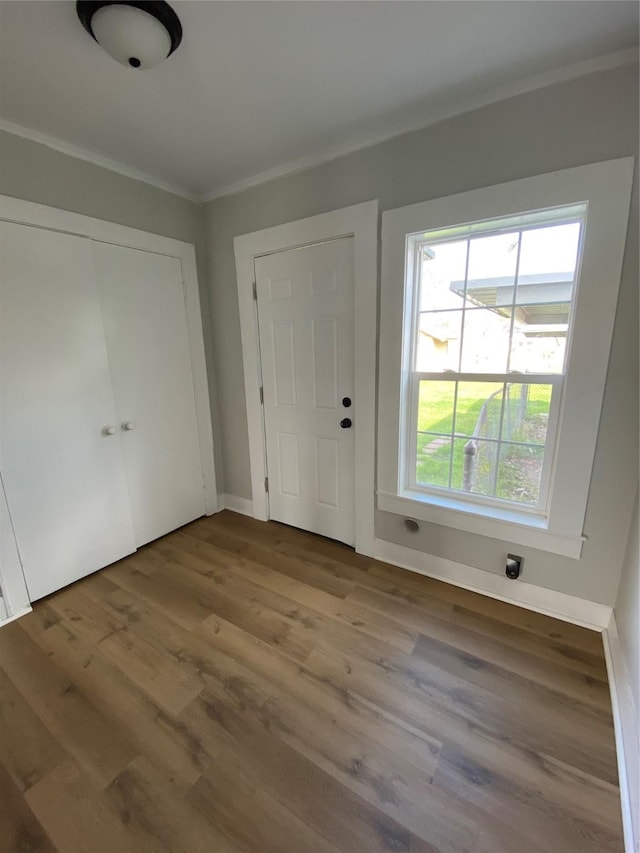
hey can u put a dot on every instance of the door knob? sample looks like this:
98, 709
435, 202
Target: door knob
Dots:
128, 425
345, 423
109, 430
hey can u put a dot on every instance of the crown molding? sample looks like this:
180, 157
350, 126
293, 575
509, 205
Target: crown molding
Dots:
502, 93
291, 167
94, 158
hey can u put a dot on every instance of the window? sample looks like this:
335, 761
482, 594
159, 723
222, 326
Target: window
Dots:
497, 311
490, 321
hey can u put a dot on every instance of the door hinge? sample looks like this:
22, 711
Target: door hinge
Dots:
266, 484
255, 290
262, 395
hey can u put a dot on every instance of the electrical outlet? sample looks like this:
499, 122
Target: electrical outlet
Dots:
513, 567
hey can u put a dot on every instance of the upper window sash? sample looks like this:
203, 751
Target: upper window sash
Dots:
513, 377
521, 224
562, 214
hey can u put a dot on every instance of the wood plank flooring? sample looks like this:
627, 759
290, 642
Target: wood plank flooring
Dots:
240, 686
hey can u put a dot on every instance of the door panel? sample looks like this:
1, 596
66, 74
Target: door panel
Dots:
64, 478
305, 319
325, 362
146, 332
284, 363
327, 468
289, 464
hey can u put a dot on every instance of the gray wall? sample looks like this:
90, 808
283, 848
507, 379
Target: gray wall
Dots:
31, 171
627, 611
581, 121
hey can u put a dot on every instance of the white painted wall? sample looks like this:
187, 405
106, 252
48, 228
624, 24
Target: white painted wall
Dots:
582, 121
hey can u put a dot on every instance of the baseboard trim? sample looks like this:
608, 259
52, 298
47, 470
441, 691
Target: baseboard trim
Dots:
569, 608
242, 505
13, 616
627, 736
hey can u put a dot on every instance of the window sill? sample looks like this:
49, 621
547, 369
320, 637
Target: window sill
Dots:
505, 524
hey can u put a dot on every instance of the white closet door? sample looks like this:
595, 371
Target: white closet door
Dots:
145, 326
64, 477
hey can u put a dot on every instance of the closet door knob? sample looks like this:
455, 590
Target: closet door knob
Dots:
128, 425
109, 430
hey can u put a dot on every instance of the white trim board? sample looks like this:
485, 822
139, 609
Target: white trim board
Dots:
236, 504
625, 720
55, 219
15, 596
290, 167
579, 611
511, 89
94, 158
502, 528
13, 616
360, 222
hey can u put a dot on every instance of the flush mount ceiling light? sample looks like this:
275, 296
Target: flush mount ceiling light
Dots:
136, 34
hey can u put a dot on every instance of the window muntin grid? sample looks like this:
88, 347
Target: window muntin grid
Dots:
501, 313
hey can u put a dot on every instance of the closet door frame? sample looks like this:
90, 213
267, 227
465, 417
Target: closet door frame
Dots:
55, 219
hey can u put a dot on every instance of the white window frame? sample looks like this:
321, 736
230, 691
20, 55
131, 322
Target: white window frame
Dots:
606, 189
411, 320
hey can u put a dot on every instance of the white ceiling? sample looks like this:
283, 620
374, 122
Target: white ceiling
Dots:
262, 87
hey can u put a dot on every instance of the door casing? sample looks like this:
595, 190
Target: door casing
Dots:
360, 222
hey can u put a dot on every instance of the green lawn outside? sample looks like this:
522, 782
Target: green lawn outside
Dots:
434, 416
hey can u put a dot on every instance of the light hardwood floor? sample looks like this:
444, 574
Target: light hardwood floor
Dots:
241, 686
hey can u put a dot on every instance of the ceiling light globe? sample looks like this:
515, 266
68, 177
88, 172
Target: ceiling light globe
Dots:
131, 36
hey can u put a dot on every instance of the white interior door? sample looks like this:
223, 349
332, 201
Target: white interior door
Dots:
64, 477
145, 326
305, 319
